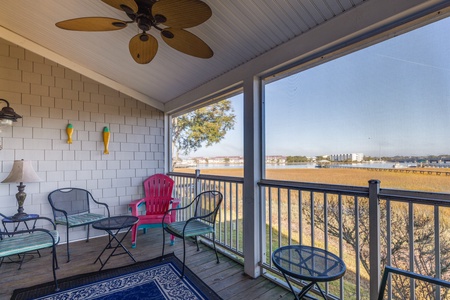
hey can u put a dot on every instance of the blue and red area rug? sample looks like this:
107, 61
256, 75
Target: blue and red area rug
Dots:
153, 279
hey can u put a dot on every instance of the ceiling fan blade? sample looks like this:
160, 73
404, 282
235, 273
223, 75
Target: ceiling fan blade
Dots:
143, 48
186, 42
181, 13
92, 24
128, 6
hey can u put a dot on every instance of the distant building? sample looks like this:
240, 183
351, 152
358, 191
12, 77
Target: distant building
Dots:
276, 159
234, 160
347, 157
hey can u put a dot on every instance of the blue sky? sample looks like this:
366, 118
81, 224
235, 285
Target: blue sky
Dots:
389, 99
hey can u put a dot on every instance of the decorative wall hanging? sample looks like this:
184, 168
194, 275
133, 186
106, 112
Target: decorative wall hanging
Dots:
106, 136
69, 131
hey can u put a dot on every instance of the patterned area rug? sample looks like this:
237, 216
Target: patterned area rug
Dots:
150, 279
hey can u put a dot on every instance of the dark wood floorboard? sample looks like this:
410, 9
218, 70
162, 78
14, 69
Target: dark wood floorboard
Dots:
226, 278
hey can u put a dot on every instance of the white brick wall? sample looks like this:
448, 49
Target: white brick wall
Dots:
50, 96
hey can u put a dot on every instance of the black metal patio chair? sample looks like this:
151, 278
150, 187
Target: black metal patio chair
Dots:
204, 209
72, 208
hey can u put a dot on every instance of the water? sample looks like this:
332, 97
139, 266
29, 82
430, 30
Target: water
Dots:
378, 165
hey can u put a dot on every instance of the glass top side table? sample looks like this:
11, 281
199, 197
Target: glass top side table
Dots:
112, 226
308, 263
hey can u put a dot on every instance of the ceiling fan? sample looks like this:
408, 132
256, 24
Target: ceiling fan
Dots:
173, 15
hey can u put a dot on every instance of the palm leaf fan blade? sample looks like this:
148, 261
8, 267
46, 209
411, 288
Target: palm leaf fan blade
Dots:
143, 48
181, 13
92, 24
128, 6
186, 42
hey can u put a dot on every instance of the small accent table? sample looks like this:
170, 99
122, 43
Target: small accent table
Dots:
308, 263
16, 222
112, 226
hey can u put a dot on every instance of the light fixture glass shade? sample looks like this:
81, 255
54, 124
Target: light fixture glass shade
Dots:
5, 123
22, 171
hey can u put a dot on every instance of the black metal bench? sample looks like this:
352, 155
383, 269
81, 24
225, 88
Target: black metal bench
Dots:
27, 240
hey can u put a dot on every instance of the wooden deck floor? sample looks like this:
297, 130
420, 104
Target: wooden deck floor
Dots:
226, 278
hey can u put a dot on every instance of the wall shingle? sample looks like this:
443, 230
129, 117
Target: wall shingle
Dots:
49, 96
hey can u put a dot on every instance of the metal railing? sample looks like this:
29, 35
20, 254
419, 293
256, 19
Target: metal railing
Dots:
368, 227
229, 230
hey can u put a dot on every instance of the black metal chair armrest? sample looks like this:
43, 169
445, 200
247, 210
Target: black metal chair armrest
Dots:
168, 212
104, 204
429, 279
45, 218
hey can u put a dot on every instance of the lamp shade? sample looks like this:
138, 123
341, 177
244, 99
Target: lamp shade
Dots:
22, 171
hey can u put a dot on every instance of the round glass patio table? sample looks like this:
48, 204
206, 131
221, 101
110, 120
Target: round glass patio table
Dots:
309, 264
112, 226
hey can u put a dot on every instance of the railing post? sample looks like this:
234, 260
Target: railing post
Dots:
374, 238
197, 188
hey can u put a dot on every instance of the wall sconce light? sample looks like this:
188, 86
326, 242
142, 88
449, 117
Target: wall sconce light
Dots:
7, 115
22, 171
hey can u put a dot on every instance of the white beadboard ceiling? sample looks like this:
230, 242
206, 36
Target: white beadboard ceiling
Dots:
238, 32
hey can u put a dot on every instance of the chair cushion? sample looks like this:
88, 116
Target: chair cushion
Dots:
77, 220
194, 228
27, 242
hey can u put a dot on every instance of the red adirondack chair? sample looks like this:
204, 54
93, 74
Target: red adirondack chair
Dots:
158, 199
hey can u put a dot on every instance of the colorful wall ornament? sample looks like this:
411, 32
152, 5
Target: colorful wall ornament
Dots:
106, 135
69, 130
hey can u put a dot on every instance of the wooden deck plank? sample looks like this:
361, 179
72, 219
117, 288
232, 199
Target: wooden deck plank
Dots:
226, 278
240, 291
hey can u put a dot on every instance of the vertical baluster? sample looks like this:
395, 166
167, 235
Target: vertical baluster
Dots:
270, 224
231, 214
325, 231
236, 190
279, 217
300, 217
312, 218
389, 242
289, 220
222, 219
411, 247
358, 249
437, 249
226, 214
341, 242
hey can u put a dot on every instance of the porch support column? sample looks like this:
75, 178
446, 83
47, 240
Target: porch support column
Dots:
252, 174
167, 132
374, 238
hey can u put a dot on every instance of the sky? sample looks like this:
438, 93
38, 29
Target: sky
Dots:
389, 99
